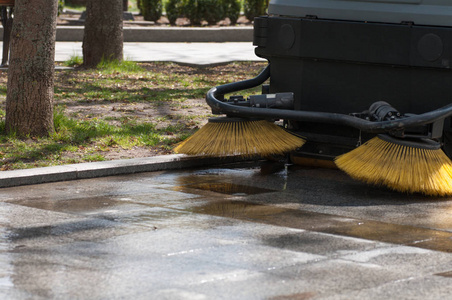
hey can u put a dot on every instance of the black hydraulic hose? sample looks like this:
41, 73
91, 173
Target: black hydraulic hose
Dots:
312, 116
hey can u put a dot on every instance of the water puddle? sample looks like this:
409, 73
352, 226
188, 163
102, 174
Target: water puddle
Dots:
62, 229
326, 223
100, 207
81, 205
240, 210
230, 188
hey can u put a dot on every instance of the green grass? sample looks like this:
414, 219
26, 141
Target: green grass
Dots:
107, 66
126, 136
124, 66
89, 139
119, 107
74, 61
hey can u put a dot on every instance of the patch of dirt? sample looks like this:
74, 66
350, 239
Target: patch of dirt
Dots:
115, 153
164, 114
193, 113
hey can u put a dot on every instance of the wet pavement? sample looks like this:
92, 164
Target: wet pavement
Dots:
260, 230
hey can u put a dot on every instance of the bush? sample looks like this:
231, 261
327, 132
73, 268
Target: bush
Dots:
255, 8
173, 10
212, 11
76, 2
232, 9
196, 11
191, 11
150, 9
207, 10
60, 6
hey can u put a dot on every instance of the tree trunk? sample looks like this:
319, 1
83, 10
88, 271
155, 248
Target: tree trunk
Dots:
103, 35
29, 99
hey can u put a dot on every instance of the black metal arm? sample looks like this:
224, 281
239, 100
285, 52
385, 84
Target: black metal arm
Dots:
310, 116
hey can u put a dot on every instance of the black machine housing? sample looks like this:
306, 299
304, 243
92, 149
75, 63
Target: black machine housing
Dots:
359, 65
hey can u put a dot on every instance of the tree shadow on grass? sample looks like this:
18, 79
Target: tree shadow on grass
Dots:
131, 95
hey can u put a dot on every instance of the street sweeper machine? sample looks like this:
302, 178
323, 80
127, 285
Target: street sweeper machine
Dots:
365, 85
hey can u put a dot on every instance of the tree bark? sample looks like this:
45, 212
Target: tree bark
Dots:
29, 99
103, 35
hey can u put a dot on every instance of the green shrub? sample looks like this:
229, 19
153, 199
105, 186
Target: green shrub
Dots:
76, 2
208, 10
150, 9
192, 11
212, 11
232, 9
173, 10
255, 8
60, 6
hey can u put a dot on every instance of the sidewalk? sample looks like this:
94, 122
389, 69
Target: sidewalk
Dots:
186, 53
248, 232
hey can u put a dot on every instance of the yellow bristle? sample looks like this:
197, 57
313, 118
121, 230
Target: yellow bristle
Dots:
401, 168
246, 138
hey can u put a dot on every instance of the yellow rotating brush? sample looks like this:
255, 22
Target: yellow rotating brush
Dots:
411, 167
235, 136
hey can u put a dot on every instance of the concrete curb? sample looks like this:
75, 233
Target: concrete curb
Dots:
186, 34
108, 168
164, 34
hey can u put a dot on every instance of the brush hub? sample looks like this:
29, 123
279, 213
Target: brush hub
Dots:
420, 143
